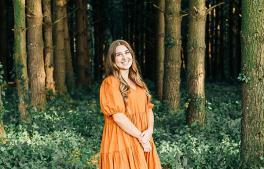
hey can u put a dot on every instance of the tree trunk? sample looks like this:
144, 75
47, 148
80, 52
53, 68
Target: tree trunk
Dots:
218, 56
20, 58
83, 61
48, 45
226, 40
214, 41
160, 48
60, 59
172, 67
235, 39
196, 62
37, 74
69, 69
2, 130
252, 134
209, 71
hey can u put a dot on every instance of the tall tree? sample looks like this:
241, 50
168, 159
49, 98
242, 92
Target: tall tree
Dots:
195, 62
218, 65
252, 134
235, 37
48, 45
172, 65
68, 57
83, 60
209, 47
226, 39
20, 58
160, 47
60, 59
37, 74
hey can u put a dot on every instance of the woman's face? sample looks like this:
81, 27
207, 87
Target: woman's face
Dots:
123, 57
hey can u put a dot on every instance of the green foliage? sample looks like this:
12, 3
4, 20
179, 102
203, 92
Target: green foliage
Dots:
243, 78
67, 133
214, 146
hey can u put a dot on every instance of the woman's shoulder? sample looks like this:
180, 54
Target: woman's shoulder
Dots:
111, 80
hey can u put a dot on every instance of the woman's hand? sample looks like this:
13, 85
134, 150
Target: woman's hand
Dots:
146, 146
145, 136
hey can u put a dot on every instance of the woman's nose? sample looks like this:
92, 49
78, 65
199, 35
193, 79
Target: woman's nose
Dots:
123, 55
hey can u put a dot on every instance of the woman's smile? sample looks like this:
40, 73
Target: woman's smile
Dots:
123, 57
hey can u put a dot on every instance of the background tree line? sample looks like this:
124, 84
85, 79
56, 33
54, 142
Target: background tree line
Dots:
52, 47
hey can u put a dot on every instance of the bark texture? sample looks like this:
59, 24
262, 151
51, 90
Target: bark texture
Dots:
37, 74
68, 56
48, 45
83, 60
252, 134
60, 59
160, 48
172, 65
20, 58
196, 62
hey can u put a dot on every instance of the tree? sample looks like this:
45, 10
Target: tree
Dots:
196, 62
37, 74
20, 58
83, 60
68, 57
225, 47
160, 48
235, 37
252, 133
60, 59
172, 65
48, 45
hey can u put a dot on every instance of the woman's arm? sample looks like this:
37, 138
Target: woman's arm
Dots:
150, 120
125, 124
146, 135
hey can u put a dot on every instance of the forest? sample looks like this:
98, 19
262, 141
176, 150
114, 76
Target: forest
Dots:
202, 60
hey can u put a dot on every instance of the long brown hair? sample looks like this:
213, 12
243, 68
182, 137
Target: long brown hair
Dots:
134, 74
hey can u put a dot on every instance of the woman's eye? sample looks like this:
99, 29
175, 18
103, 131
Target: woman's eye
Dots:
127, 52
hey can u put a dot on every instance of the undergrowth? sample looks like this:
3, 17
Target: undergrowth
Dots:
67, 133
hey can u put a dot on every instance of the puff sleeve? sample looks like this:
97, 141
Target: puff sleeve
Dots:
111, 100
150, 105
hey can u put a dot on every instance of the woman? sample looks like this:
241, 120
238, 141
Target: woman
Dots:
127, 141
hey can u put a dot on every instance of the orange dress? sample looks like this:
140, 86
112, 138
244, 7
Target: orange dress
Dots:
119, 150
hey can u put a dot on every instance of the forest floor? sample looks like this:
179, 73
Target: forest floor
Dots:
67, 133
